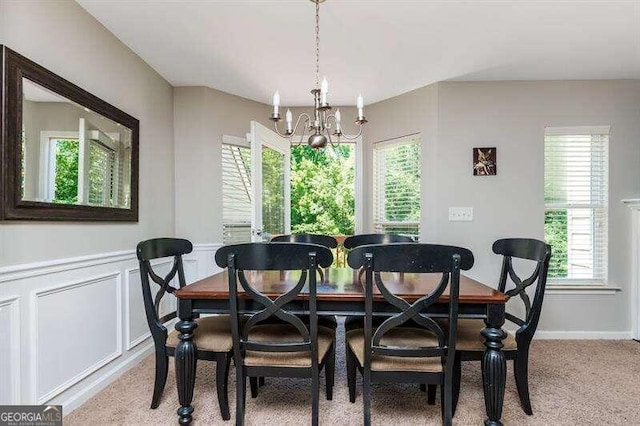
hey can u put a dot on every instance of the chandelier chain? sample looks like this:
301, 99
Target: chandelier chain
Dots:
317, 44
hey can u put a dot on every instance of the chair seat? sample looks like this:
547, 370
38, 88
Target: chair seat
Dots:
406, 337
285, 333
470, 339
212, 334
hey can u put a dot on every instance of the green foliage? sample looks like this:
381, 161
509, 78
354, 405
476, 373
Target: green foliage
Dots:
66, 180
555, 234
322, 190
272, 192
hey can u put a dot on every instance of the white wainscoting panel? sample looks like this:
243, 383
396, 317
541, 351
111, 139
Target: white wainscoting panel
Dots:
136, 328
77, 330
69, 327
9, 351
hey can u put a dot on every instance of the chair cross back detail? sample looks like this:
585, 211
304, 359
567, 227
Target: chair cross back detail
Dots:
272, 256
155, 249
408, 312
523, 249
273, 307
411, 258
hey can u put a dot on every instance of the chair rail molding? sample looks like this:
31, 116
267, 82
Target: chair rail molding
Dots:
634, 205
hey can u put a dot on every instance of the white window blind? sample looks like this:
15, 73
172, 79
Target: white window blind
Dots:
101, 174
576, 191
236, 194
396, 186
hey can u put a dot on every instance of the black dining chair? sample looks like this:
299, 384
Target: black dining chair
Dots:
470, 346
291, 348
212, 337
323, 320
423, 353
320, 239
354, 241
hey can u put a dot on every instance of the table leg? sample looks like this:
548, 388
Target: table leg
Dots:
494, 365
185, 358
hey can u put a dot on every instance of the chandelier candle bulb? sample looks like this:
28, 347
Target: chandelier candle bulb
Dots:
360, 104
324, 90
289, 118
276, 102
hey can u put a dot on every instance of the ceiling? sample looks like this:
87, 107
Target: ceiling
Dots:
380, 48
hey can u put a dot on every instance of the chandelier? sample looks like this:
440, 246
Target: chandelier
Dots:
319, 127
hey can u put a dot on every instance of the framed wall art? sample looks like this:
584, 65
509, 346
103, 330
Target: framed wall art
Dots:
484, 161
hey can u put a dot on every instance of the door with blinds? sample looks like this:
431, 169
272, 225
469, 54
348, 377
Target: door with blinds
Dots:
271, 184
236, 190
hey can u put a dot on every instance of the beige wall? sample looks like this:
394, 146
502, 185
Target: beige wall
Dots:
511, 116
62, 37
413, 112
202, 117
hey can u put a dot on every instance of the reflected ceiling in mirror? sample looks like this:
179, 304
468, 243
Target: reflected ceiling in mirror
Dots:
66, 154
70, 154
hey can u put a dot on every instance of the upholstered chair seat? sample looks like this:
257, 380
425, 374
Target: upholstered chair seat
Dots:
470, 339
212, 334
405, 337
285, 333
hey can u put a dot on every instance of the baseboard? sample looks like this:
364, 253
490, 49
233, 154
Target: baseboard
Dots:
583, 335
82, 396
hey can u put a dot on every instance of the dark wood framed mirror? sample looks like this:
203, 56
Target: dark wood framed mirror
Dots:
67, 155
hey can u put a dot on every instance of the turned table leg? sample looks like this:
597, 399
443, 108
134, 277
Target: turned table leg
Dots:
494, 365
185, 359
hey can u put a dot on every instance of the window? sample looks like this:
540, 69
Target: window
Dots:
84, 168
61, 169
396, 186
323, 190
236, 193
576, 187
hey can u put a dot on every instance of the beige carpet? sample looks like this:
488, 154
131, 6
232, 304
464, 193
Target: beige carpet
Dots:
572, 383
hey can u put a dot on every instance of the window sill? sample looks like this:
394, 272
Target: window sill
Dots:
581, 289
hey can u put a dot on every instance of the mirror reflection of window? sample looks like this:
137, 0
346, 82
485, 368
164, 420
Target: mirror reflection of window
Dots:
65, 171
72, 155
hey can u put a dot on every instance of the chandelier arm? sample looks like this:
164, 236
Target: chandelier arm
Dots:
333, 145
275, 128
307, 118
304, 128
295, 128
354, 137
329, 117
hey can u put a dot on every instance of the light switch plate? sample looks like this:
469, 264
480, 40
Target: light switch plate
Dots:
460, 214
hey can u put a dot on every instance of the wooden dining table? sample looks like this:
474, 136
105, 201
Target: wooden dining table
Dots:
342, 293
